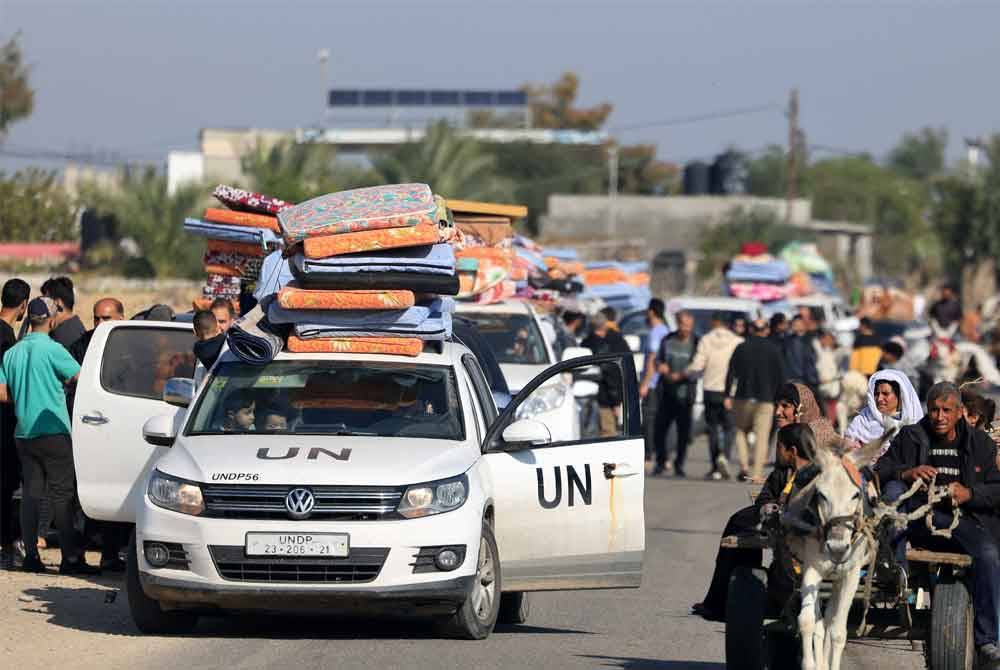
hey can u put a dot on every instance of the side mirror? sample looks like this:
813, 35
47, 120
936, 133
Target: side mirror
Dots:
178, 391
159, 431
527, 432
634, 343
584, 389
576, 352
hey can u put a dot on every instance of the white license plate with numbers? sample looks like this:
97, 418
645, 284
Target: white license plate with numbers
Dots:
323, 545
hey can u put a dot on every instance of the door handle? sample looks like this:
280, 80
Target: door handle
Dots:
94, 420
618, 470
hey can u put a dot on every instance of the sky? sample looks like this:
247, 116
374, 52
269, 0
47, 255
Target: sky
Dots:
140, 77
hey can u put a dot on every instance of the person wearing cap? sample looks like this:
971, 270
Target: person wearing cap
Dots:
33, 376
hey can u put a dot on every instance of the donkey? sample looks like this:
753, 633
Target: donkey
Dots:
831, 509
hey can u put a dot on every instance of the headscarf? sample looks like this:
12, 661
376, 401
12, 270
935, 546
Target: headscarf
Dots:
807, 411
870, 424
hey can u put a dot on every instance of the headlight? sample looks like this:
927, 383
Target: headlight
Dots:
175, 494
544, 399
434, 497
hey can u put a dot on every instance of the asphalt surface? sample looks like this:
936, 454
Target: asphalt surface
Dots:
645, 628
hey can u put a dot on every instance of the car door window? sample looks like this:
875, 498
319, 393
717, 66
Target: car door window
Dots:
603, 388
138, 362
483, 394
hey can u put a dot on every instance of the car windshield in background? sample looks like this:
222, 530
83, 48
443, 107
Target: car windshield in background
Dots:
514, 338
331, 398
703, 318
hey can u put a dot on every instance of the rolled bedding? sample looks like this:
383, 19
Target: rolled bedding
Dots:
253, 339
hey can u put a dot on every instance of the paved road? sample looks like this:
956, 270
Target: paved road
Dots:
645, 628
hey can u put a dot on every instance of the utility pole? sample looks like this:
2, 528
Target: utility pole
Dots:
793, 142
612, 189
323, 56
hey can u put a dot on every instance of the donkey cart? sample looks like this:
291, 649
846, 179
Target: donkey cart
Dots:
930, 604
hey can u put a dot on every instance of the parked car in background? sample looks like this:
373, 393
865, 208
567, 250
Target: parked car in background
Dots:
836, 316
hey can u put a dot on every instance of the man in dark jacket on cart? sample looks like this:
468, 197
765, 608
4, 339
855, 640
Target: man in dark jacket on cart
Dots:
943, 448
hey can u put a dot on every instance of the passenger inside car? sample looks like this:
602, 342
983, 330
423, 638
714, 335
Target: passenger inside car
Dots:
239, 412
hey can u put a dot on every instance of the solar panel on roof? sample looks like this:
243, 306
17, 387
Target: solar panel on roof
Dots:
420, 98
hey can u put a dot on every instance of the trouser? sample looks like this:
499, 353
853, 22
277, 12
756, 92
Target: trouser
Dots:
672, 410
753, 416
607, 419
10, 479
727, 560
982, 579
114, 535
719, 424
650, 405
47, 469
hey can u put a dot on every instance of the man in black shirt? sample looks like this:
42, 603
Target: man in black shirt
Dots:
604, 339
948, 309
945, 449
12, 309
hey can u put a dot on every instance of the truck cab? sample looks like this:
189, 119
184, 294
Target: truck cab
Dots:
348, 481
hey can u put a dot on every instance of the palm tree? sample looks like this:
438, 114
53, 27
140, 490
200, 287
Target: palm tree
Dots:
453, 165
154, 218
296, 172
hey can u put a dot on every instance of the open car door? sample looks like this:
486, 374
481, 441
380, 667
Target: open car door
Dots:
121, 385
569, 515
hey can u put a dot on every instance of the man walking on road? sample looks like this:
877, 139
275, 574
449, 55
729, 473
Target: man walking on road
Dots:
605, 340
676, 394
756, 372
14, 306
650, 377
33, 376
711, 362
800, 356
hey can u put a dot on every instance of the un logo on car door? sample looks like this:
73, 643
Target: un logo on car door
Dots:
300, 503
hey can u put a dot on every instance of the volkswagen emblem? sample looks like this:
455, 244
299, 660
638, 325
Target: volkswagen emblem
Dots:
300, 503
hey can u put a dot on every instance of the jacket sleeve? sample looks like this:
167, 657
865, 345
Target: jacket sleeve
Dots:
985, 494
772, 488
731, 371
901, 452
700, 358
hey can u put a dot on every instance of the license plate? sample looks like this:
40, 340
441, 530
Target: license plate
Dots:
324, 545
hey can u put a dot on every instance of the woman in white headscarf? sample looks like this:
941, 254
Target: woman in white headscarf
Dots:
892, 404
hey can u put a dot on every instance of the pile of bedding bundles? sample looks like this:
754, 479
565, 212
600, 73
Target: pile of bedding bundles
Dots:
759, 276
487, 264
623, 286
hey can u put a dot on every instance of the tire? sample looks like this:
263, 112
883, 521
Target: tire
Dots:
515, 608
745, 606
477, 616
146, 612
950, 645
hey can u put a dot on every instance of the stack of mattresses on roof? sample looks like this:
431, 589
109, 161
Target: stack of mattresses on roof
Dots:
487, 267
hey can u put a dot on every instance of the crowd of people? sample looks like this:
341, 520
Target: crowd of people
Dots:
42, 346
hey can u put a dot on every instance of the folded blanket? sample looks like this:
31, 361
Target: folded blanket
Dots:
498, 293
247, 267
248, 201
561, 254
418, 282
372, 208
356, 319
223, 247
760, 291
486, 231
396, 346
536, 260
294, 298
484, 279
427, 259
275, 273
437, 326
609, 275
246, 219
221, 286
221, 270
253, 339
372, 240
773, 271
230, 233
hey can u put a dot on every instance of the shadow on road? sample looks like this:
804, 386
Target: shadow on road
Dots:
628, 663
91, 610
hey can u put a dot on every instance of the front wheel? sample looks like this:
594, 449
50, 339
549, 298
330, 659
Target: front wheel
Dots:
950, 646
477, 616
146, 612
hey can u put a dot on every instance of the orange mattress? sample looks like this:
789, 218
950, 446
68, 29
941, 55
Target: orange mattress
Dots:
291, 297
247, 219
398, 346
371, 240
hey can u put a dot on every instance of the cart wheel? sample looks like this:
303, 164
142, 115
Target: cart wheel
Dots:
950, 644
745, 605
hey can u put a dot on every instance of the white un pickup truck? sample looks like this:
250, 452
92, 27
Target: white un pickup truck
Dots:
348, 482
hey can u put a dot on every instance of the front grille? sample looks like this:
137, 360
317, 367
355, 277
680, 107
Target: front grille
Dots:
333, 503
363, 565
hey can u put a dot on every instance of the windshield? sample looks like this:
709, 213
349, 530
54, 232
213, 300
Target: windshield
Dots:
514, 338
703, 318
331, 398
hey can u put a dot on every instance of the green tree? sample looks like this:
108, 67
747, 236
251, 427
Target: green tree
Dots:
718, 244
35, 208
296, 171
640, 172
455, 166
17, 99
920, 155
552, 106
154, 218
858, 190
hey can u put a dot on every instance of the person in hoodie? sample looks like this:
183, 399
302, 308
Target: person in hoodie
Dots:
794, 404
892, 404
711, 363
210, 338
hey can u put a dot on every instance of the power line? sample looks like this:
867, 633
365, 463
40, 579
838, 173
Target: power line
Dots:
698, 118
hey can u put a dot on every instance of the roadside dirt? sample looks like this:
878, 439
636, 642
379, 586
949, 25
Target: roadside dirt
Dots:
51, 621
